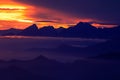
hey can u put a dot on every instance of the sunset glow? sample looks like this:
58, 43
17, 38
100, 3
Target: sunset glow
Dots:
59, 40
14, 15
103, 25
12, 7
9, 12
21, 15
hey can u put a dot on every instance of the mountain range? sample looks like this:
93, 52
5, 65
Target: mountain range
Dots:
43, 68
82, 29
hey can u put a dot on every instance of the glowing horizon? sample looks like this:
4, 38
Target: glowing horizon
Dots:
18, 15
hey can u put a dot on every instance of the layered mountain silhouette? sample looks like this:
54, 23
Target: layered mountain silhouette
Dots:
30, 31
11, 31
106, 47
82, 29
107, 50
43, 68
47, 31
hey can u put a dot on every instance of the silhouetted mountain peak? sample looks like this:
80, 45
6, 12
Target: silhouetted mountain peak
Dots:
30, 31
82, 29
84, 25
12, 29
47, 28
34, 27
47, 31
60, 29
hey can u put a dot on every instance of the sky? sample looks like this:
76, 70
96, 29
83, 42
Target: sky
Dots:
57, 13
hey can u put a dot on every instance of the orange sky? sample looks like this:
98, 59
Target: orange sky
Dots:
16, 15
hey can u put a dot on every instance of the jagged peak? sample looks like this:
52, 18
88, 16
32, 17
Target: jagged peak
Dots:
61, 28
84, 23
33, 26
12, 29
47, 28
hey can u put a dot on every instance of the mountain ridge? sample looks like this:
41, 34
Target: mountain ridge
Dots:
82, 29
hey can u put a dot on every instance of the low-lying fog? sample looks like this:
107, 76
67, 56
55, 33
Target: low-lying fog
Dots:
20, 47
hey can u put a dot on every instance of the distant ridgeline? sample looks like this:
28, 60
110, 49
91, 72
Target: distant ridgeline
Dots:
84, 30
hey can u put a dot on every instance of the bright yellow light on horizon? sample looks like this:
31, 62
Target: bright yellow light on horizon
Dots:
20, 20
12, 7
13, 13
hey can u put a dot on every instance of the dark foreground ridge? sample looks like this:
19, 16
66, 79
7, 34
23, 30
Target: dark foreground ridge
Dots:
43, 68
82, 29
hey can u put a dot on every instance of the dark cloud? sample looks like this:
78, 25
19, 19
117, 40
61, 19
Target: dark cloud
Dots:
47, 21
104, 10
